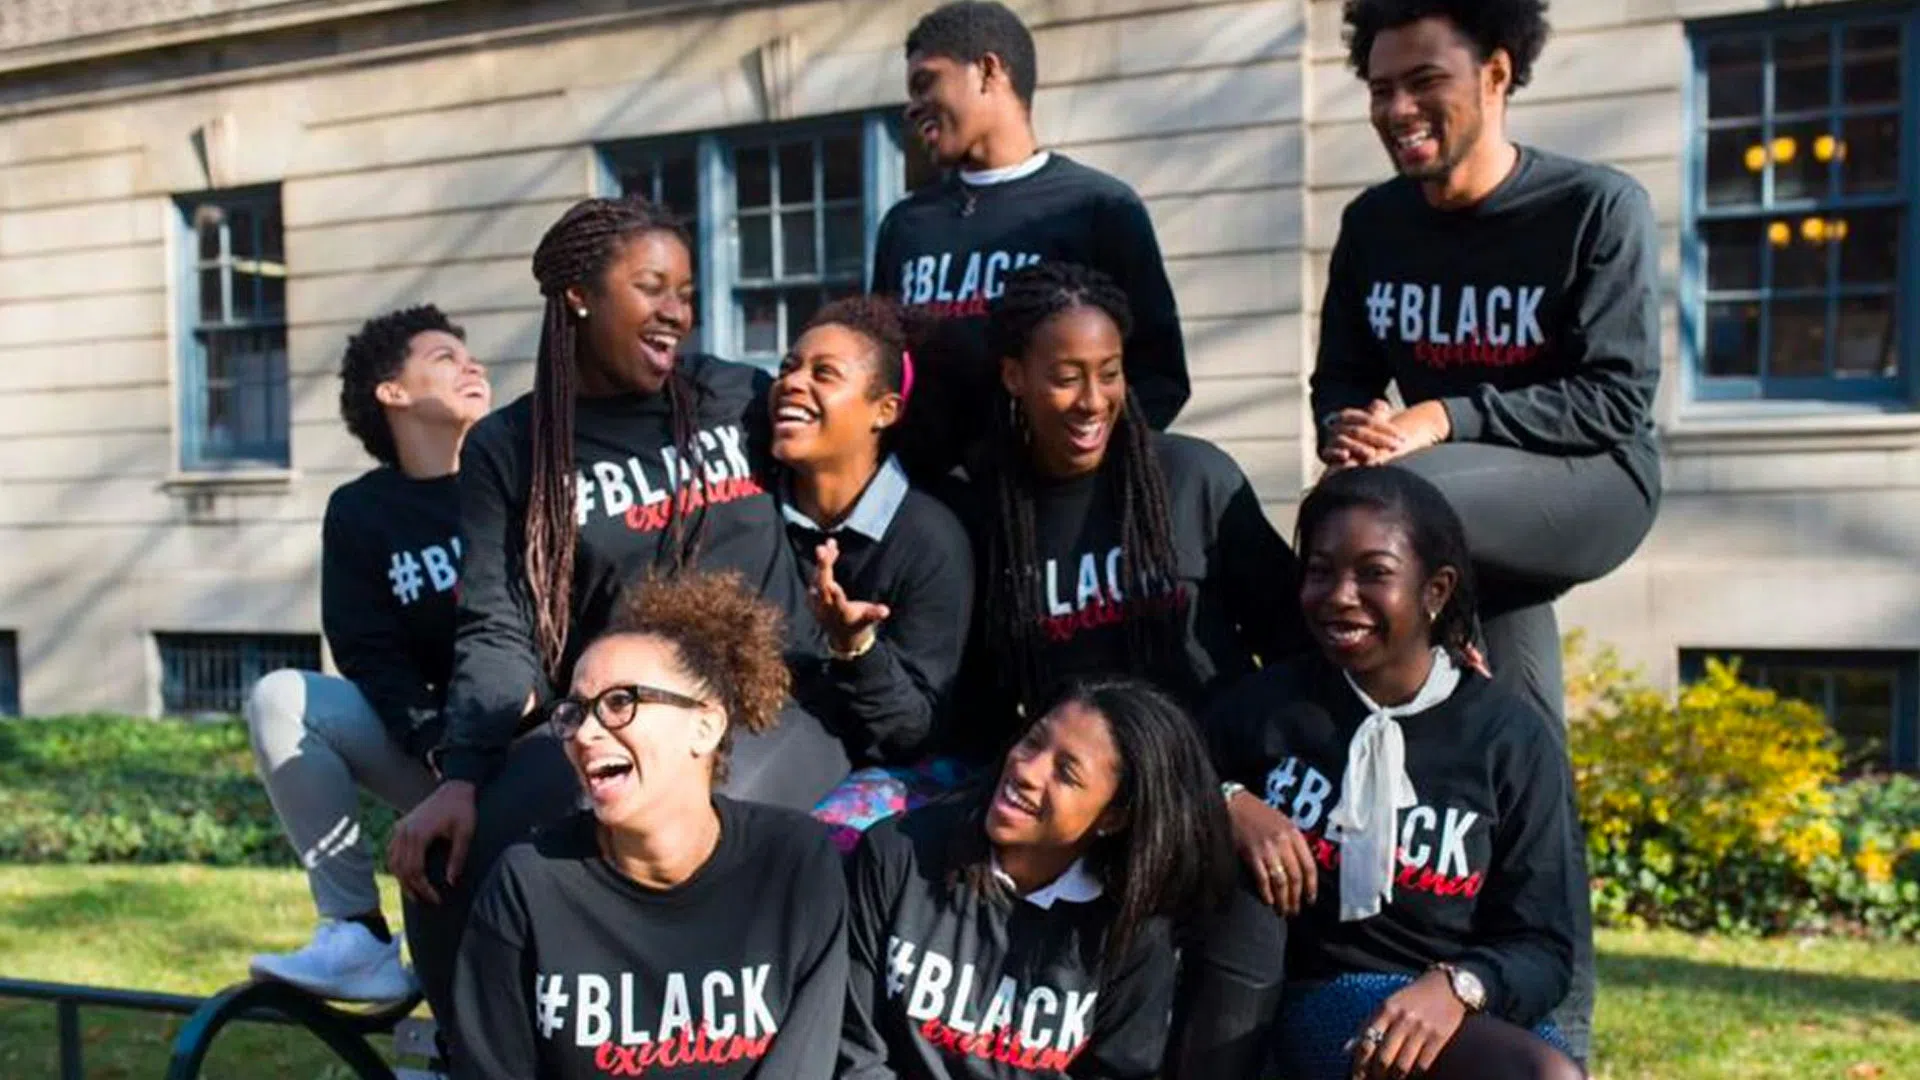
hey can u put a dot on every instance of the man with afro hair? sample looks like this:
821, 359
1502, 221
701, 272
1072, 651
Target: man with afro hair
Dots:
390, 563
1513, 297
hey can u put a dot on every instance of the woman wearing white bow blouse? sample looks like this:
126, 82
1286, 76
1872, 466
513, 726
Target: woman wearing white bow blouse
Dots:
1413, 821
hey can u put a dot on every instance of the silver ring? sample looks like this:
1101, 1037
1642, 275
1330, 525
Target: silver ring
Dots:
1373, 1037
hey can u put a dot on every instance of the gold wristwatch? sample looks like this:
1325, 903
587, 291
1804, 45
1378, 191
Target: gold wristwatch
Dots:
1465, 985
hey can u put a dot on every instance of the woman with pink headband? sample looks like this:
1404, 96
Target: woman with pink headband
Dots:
889, 571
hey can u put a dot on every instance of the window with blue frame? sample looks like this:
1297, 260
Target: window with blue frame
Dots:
1802, 240
233, 318
1870, 698
784, 218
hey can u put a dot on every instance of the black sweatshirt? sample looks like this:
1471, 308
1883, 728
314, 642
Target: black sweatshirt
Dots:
902, 548
624, 454
948, 984
948, 249
569, 969
1533, 316
1489, 875
1238, 587
389, 576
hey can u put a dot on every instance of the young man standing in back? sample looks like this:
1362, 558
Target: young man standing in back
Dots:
1513, 297
948, 247
390, 571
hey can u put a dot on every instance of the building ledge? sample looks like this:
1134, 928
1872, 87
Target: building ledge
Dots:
121, 28
1750, 428
234, 481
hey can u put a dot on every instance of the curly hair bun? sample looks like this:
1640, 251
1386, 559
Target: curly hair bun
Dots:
727, 638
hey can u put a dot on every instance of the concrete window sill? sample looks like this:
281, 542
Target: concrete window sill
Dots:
1790, 429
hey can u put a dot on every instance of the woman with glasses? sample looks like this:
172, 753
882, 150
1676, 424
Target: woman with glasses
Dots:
621, 939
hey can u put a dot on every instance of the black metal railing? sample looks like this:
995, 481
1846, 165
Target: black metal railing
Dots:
344, 1032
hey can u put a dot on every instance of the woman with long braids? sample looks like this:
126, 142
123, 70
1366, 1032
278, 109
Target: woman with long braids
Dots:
1105, 547
1412, 817
626, 459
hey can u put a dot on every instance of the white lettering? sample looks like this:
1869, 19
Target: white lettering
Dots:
929, 987
440, 568
1412, 303
753, 984
593, 1024
1499, 331
676, 1011
970, 284
711, 988
997, 264
1453, 842
1029, 1034
1409, 826
1466, 326
1529, 317
1312, 800
615, 495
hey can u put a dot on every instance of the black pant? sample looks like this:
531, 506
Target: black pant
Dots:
1232, 972
793, 765
1539, 525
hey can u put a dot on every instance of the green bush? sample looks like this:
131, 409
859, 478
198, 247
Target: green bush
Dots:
1720, 809
99, 788
1873, 881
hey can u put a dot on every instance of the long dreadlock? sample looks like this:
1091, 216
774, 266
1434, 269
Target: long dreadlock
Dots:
1150, 568
576, 252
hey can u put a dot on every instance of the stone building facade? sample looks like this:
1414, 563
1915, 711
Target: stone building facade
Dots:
200, 199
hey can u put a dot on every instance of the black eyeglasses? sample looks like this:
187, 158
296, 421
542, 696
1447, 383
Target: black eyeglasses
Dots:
614, 707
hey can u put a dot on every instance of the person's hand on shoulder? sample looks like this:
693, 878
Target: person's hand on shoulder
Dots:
1275, 852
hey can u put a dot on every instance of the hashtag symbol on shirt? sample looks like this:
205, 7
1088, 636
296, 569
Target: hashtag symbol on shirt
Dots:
1380, 308
899, 966
406, 577
549, 1003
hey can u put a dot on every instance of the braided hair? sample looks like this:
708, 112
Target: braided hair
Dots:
1131, 469
575, 253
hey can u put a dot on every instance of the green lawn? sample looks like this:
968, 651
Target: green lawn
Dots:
1670, 1005
181, 929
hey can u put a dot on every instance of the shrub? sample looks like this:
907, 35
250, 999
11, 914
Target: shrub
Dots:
1872, 881
101, 788
1719, 809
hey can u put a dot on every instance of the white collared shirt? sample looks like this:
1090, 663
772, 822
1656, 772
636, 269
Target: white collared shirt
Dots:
1007, 173
1075, 886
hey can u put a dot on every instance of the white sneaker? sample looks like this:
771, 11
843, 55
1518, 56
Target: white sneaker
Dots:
343, 962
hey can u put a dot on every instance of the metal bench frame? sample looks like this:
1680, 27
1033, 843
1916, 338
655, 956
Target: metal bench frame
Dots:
344, 1031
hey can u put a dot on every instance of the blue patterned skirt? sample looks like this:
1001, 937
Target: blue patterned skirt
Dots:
1318, 1019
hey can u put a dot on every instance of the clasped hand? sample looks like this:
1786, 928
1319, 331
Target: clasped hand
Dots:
1377, 434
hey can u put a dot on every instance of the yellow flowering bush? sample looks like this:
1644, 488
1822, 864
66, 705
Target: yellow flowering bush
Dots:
1719, 809
1872, 879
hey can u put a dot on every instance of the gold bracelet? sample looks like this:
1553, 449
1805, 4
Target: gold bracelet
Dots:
861, 648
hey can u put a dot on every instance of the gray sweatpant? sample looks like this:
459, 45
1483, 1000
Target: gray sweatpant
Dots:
1539, 525
316, 742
